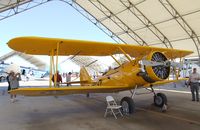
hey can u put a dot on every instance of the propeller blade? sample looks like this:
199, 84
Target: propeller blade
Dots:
165, 63
151, 63
176, 64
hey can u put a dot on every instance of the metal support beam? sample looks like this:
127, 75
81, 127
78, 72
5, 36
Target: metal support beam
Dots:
167, 20
182, 23
148, 24
92, 19
96, 66
91, 63
114, 18
19, 7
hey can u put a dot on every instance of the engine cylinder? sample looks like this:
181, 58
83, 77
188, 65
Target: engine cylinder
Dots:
159, 72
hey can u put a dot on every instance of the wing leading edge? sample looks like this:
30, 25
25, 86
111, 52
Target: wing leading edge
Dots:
43, 46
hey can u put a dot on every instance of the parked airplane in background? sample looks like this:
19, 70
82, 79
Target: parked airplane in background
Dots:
146, 67
188, 66
26, 72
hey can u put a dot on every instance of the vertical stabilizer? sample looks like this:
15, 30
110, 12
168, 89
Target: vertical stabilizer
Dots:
85, 77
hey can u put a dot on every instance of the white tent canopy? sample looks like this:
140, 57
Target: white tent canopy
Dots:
161, 23
31, 59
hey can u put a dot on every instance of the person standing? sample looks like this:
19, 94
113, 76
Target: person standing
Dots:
7, 78
68, 78
194, 84
14, 84
59, 79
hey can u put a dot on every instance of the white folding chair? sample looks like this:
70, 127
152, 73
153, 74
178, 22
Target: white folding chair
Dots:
112, 107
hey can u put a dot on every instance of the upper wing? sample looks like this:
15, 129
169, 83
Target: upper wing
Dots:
67, 90
43, 46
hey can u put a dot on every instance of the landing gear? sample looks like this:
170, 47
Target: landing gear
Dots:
128, 106
160, 99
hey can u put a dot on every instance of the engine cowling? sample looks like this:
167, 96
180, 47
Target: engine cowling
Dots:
160, 72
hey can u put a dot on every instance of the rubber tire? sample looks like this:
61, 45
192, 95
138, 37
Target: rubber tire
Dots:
163, 97
131, 104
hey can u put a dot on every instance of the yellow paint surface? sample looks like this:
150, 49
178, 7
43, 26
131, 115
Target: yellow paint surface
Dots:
43, 46
122, 78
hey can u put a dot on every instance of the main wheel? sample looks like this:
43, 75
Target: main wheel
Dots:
128, 105
160, 99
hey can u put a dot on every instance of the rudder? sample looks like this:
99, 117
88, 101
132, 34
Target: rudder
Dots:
85, 77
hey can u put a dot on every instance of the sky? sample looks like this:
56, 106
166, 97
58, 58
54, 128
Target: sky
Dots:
53, 19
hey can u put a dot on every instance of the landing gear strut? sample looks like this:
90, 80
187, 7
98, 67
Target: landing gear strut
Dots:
128, 106
160, 100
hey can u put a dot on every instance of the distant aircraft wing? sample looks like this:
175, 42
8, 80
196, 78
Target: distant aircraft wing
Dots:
75, 82
43, 46
165, 82
67, 90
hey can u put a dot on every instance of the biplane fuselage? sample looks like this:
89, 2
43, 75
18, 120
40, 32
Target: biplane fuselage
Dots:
125, 75
132, 73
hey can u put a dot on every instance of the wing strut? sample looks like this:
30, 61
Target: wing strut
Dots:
53, 65
50, 69
125, 54
116, 60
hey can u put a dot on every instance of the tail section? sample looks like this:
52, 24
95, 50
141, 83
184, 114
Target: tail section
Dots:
85, 77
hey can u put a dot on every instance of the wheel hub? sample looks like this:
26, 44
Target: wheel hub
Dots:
125, 107
158, 100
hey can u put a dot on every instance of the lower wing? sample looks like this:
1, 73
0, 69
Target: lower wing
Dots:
164, 82
67, 90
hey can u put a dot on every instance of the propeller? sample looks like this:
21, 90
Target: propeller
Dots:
159, 64
162, 63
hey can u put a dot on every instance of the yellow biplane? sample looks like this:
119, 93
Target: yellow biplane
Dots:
146, 67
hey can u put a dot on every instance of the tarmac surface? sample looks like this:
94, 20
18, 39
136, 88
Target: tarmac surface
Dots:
77, 112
